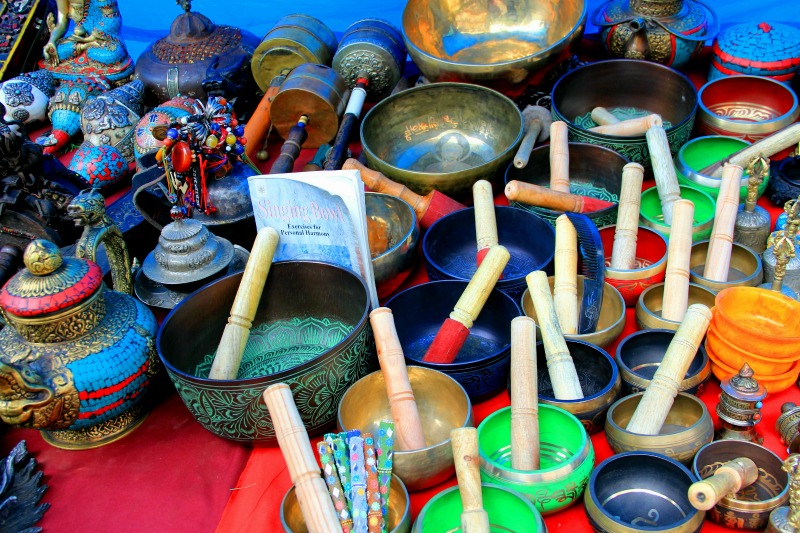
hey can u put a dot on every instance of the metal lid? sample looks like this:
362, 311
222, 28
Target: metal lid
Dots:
744, 386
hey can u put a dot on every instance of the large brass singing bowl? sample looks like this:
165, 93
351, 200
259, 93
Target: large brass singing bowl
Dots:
745, 268
443, 405
651, 303
443, 136
484, 42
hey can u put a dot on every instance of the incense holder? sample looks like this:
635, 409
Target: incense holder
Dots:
650, 263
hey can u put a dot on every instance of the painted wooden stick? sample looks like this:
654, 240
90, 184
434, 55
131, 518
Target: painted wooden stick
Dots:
524, 395
603, 117
630, 127
768, 146
455, 329
485, 221
257, 127
429, 208
720, 245
537, 127
527, 193
474, 519
560, 366
623, 254
729, 478
237, 330
559, 157
407, 424
659, 396
669, 191
676, 279
565, 285
312, 496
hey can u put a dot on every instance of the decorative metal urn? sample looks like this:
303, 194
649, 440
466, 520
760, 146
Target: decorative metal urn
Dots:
739, 407
76, 359
791, 275
671, 32
752, 221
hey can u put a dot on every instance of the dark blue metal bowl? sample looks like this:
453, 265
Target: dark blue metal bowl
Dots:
449, 247
482, 365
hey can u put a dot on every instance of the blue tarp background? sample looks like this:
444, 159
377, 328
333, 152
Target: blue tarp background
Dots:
144, 21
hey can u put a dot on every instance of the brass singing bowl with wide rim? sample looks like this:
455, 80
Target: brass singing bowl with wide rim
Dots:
651, 302
745, 268
480, 42
443, 405
393, 233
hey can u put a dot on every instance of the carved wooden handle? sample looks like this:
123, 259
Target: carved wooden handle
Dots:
467, 459
284, 163
630, 127
237, 330
729, 478
407, 424
565, 285
312, 495
525, 147
657, 400
472, 300
257, 127
720, 245
676, 279
485, 222
623, 254
669, 191
560, 366
524, 395
768, 146
603, 117
559, 157
527, 193
377, 182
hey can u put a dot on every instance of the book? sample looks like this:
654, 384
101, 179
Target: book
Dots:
320, 216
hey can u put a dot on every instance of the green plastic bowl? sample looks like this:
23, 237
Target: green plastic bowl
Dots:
703, 151
651, 216
567, 458
507, 510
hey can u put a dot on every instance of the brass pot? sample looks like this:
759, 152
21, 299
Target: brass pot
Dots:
648, 308
745, 270
788, 426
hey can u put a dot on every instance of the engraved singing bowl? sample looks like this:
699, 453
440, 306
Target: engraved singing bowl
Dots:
399, 516
311, 330
566, 461
725, 348
482, 365
650, 263
508, 511
636, 491
749, 508
745, 268
628, 88
443, 405
609, 325
443, 136
490, 43
393, 232
450, 249
651, 302
651, 215
688, 428
640, 354
594, 171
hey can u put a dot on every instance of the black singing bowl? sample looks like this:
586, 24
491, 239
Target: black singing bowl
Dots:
311, 331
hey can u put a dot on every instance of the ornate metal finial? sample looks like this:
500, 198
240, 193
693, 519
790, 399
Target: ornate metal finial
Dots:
784, 250
42, 257
743, 381
792, 466
758, 170
185, 4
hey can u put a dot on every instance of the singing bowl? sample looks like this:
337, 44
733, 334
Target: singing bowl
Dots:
761, 320
462, 41
450, 250
443, 136
311, 331
748, 107
393, 233
399, 516
442, 404
651, 302
745, 268
507, 510
640, 354
619, 85
651, 215
727, 352
636, 491
650, 263
700, 152
594, 171
566, 458
750, 507
483, 364
609, 325
773, 383
687, 428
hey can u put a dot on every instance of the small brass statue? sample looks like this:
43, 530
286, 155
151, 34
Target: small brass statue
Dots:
791, 272
787, 519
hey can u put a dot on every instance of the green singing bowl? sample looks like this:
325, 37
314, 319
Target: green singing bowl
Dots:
567, 458
651, 302
688, 428
651, 216
508, 512
443, 405
443, 136
745, 268
399, 510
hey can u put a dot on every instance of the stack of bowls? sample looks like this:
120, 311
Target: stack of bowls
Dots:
759, 327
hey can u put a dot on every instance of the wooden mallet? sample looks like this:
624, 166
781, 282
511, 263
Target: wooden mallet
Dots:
729, 478
767, 147
464, 441
676, 279
524, 395
559, 157
720, 245
537, 128
623, 253
485, 221
603, 117
234, 338
530, 194
565, 283
407, 425
667, 185
629, 128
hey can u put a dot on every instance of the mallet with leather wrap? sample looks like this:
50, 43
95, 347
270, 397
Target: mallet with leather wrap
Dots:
464, 441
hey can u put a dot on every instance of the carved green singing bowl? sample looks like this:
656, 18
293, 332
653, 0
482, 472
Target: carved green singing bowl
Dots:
652, 216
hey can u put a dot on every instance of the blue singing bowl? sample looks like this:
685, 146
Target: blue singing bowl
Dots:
482, 366
450, 249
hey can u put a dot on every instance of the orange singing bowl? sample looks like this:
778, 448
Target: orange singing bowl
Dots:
725, 350
773, 384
